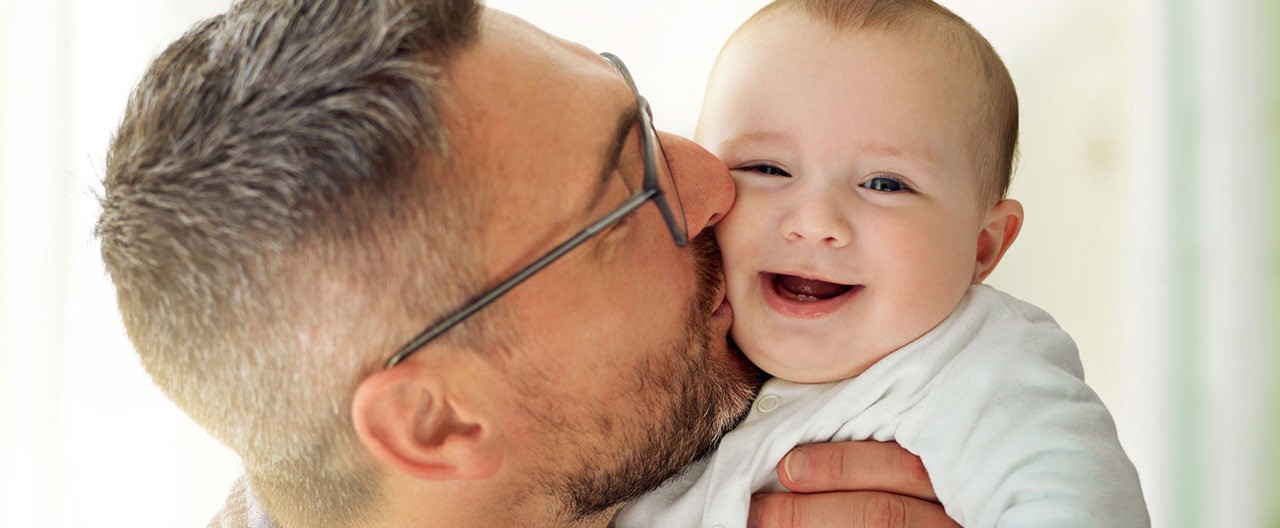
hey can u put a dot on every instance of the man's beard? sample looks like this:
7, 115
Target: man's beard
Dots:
693, 399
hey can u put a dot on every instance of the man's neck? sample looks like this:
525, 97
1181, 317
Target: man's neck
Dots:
468, 504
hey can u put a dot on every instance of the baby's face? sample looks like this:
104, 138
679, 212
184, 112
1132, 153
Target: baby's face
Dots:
857, 217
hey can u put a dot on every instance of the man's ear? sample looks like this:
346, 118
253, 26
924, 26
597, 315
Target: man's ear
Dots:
999, 230
408, 418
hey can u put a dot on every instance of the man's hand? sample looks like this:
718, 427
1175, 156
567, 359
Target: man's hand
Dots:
850, 485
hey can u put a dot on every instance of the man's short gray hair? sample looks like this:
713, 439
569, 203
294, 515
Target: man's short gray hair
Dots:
278, 195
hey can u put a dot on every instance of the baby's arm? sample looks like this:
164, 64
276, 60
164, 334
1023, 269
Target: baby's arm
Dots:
1014, 437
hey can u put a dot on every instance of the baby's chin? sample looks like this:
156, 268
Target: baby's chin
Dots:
797, 362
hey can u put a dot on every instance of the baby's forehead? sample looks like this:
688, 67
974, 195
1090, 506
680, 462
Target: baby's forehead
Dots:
814, 63
924, 33
952, 48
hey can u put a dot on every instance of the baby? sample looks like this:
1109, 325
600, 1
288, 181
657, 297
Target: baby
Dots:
872, 144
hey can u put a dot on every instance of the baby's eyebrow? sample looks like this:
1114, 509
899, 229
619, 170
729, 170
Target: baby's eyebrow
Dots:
885, 149
918, 155
753, 137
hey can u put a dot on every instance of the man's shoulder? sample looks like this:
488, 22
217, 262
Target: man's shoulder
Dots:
242, 509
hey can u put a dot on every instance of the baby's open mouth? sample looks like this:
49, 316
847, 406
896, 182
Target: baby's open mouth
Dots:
806, 290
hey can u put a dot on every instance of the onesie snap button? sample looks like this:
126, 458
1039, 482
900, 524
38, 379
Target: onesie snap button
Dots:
768, 403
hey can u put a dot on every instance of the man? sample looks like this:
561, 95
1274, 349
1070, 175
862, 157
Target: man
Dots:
300, 187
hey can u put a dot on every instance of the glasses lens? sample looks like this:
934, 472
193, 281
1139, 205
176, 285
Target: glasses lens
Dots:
669, 200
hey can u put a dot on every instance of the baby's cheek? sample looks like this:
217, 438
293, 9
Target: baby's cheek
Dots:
753, 339
739, 231
727, 226
733, 237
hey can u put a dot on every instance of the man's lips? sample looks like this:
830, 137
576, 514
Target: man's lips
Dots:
805, 297
723, 307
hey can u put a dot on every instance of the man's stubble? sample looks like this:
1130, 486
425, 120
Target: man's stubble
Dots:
686, 396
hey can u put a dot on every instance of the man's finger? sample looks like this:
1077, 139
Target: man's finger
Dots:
853, 509
855, 466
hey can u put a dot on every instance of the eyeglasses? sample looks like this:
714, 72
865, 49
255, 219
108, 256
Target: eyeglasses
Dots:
658, 186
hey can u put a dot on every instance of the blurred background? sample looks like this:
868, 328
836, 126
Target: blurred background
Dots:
1150, 173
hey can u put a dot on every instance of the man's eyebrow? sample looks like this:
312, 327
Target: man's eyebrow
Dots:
613, 156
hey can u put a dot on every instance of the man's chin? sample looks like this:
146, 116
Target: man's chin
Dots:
745, 379
734, 378
743, 364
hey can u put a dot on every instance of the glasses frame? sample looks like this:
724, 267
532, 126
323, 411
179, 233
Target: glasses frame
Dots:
651, 190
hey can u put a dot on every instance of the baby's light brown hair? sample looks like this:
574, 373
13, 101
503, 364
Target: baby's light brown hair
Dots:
996, 133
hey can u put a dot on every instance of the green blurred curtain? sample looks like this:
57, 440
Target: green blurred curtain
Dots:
1223, 163
1271, 65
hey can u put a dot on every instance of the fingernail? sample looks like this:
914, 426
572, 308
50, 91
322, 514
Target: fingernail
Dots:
795, 465
753, 514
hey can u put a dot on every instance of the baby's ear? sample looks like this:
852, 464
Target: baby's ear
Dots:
999, 230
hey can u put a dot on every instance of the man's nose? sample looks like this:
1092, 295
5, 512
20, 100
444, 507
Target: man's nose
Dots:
705, 187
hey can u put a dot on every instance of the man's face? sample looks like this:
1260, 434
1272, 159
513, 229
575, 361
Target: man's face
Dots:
856, 224
622, 375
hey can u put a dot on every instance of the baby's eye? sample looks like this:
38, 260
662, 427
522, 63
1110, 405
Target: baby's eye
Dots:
885, 184
767, 170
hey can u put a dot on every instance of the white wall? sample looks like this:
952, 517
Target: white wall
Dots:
1144, 172
85, 439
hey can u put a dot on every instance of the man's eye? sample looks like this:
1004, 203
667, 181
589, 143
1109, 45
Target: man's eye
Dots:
767, 170
885, 185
